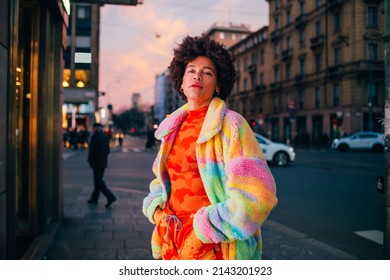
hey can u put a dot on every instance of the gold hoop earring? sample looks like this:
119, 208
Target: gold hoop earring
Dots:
181, 90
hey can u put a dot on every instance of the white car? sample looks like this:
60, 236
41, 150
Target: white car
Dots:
276, 153
360, 140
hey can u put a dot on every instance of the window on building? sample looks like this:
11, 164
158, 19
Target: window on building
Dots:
336, 94
277, 4
302, 36
317, 97
253, 106
318, 3
318, 62
288, 42
318, 28
253, 82
260, 104
276, 74
288, 71
373, 51
245, 84
261, 57
372, 17
83, 12
301, 101
373, 94
83, 42
254, 58
276, 49
302, 7
337, 56
288, 17
82, 77
302, 65
276, 23
261, 78
221, 35
276, 104
66, 78
337, 21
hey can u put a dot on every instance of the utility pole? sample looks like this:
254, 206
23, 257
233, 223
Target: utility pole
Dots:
386, 236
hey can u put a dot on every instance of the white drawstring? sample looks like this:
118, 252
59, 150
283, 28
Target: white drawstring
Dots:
176, 222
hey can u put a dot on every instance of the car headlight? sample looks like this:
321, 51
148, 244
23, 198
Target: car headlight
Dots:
291, 149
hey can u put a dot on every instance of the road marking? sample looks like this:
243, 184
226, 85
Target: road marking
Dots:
373, 235
66, 155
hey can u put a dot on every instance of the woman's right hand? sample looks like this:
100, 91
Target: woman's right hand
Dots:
157, 216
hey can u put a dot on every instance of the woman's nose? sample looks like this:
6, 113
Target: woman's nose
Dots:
197, 77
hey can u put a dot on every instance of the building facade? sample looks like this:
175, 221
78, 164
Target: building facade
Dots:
32, 44
81, 73
320, 70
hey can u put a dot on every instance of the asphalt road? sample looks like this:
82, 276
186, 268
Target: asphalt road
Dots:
332, 197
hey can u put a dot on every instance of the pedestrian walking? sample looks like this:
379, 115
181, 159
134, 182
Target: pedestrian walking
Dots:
213, 188
150, 141
99, 149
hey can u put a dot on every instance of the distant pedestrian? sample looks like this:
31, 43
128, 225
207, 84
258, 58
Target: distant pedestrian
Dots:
150, 141
99, 149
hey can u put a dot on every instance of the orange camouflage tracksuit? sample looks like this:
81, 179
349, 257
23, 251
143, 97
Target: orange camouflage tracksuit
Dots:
174, 229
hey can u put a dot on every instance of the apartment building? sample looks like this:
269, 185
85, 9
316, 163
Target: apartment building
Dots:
228, 33
318, 68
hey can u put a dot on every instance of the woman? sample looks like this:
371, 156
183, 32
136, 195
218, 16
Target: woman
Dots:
213, 189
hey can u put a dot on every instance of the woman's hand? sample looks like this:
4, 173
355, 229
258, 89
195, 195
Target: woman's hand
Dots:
157, 216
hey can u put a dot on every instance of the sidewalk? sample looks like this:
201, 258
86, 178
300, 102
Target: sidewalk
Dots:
121, 232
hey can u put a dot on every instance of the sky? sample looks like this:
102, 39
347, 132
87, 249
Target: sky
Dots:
137, 42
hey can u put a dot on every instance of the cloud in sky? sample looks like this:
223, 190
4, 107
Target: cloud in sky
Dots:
136, 43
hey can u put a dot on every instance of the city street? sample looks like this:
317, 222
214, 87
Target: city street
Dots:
328, 207
332, 197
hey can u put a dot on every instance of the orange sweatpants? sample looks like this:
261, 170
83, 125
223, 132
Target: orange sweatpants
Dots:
179, 241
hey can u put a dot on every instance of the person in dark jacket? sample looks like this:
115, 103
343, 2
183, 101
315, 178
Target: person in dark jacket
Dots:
99, 149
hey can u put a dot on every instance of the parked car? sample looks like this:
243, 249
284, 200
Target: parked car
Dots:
360, 140
276, 153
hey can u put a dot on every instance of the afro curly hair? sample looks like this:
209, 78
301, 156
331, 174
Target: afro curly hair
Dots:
191, 48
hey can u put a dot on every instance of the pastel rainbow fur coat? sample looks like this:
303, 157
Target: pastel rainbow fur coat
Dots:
235, 175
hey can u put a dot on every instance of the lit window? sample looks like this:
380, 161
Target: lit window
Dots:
80, 57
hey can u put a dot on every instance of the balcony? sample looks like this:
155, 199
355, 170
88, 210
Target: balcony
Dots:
252, 68
300, 21
334, 71
299, 79
287, 54
335, 4
275, 86
261, 87
275, 35
317, 42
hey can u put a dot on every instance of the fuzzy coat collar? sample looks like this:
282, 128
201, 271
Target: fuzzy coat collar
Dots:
211, 126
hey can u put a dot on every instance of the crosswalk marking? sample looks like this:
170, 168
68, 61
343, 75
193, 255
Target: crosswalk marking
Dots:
373, 235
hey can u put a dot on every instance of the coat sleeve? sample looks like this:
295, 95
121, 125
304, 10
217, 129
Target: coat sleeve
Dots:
155, 197
249, 187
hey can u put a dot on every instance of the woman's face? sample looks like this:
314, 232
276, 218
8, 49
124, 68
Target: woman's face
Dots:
199, 82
